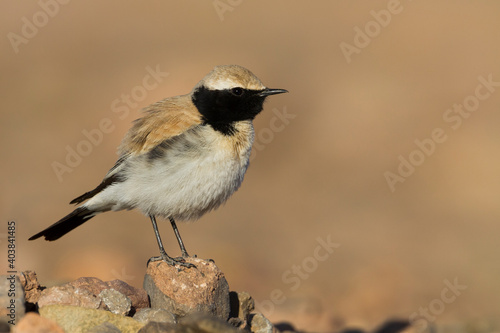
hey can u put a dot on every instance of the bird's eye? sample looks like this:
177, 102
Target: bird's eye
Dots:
237, 91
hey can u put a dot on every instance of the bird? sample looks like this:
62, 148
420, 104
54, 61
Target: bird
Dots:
183, 158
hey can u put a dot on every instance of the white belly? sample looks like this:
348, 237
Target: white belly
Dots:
190, 177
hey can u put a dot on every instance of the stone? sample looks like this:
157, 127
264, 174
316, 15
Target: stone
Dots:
31, 286
33, 323
260, 324
85, 292
12, 307
146, 315
92, 284
70, 295
104, 328
242, 304
182, 290
79, 320
192, 323
115, 301
204, 323
138, 297
156, 327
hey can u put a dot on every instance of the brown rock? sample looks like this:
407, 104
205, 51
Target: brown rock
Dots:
70, 295
82, 292
85, 292
241, 306
156, 327
92, 284
32, 288
115, 301
33, 323
104, 328
203, 323
145, 315
182, 290
193, 323
74, 319
260, 324
138, 297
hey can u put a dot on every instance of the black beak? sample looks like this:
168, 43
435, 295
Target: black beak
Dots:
267, 92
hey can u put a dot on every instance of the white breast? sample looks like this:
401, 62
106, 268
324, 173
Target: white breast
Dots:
185, 178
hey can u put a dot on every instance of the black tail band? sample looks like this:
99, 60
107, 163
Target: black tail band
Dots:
66, 224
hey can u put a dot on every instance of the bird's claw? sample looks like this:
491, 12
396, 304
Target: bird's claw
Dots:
171, 261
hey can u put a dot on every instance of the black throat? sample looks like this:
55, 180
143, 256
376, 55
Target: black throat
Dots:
221, 109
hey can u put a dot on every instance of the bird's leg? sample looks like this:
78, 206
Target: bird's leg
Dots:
163, 255
179, 239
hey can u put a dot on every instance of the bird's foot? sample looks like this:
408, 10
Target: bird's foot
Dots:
171, 261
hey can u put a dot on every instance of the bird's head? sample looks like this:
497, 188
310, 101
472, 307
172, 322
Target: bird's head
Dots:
230, 93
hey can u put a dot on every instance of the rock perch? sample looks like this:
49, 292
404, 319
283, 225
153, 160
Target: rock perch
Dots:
184, 291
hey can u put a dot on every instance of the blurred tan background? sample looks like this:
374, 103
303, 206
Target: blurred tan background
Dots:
319, 173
